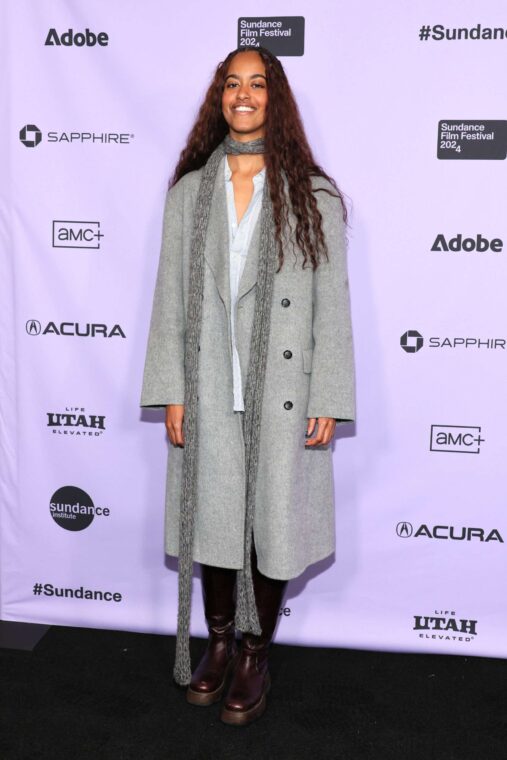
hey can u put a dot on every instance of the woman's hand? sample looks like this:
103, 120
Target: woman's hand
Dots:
325, 430
174, 414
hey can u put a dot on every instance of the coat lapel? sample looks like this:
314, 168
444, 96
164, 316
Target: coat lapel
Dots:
249, 274
216, 250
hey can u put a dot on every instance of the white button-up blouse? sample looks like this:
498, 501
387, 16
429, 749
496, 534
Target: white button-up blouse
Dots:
239, 240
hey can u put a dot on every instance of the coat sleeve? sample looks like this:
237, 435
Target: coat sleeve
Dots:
332, 382
164, 376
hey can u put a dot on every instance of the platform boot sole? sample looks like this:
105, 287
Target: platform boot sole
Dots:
205, 698
243, 717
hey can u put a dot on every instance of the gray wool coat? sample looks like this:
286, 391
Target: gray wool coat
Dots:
309, 373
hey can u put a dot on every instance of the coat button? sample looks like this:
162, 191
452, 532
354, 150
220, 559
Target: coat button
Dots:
285, 302
287, 354
288, 405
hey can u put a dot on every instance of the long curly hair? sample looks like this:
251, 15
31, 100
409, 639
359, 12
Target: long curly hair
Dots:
286, 150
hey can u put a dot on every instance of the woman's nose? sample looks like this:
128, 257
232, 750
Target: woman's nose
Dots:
243, 91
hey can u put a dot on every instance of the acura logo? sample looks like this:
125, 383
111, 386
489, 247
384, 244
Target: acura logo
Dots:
33, 327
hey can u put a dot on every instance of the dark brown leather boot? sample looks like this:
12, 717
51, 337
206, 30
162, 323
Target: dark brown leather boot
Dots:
246, 697
209, 678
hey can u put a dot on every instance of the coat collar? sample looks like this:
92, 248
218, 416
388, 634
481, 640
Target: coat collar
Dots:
216, 250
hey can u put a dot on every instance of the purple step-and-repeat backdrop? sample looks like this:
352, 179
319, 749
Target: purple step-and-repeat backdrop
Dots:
405, 107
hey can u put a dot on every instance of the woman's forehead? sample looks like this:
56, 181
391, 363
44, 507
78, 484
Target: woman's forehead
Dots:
247, 60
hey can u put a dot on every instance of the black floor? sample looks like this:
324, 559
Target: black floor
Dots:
109, 695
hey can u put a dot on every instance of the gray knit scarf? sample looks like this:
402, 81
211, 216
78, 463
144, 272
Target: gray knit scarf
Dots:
247, 619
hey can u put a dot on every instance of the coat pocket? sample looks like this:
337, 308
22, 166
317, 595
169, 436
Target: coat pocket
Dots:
307, 359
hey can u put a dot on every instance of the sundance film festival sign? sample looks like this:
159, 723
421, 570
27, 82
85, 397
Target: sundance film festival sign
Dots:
460, 139
282, 35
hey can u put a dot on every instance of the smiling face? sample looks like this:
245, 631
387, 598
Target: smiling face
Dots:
245, 96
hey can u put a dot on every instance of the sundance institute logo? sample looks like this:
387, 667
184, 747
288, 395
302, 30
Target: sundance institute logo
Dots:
73, 509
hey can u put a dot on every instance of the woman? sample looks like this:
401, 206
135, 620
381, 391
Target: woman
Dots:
250, 350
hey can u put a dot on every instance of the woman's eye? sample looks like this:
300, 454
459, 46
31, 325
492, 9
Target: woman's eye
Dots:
254, 84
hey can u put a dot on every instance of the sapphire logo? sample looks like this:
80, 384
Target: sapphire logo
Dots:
411, 341
94, 138
30, 135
